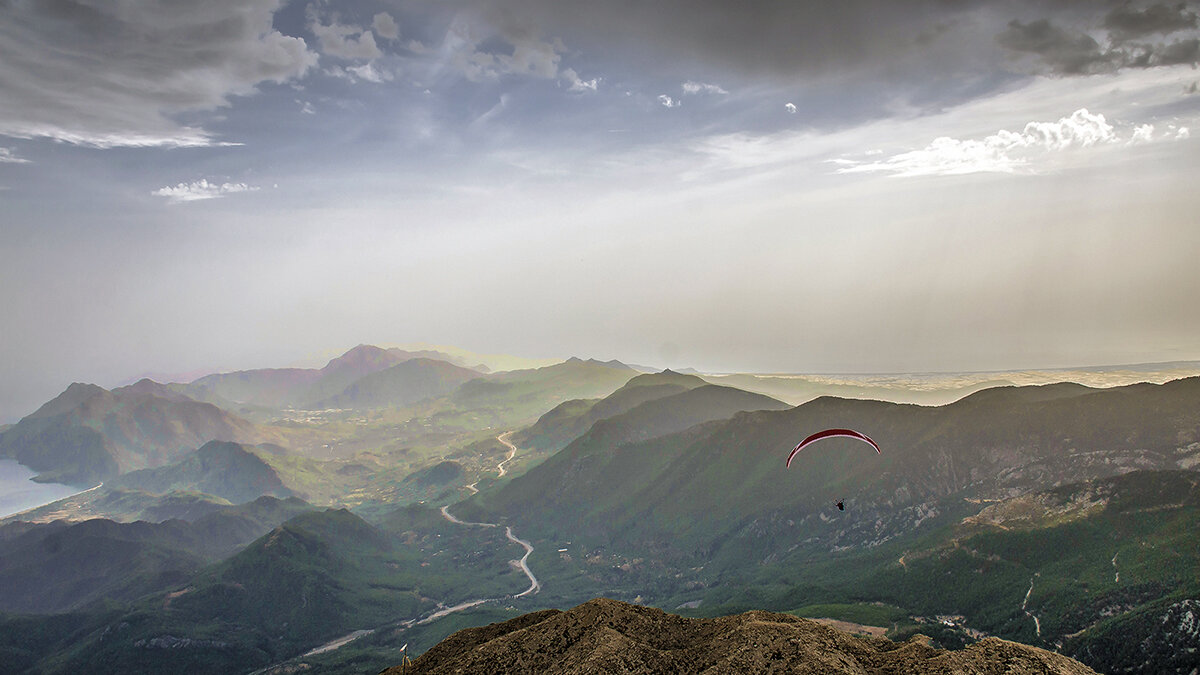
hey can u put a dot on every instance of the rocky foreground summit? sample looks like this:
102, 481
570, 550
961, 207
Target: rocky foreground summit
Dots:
607, 636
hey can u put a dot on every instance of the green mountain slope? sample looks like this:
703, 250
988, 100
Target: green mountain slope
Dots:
607, 465
724, 486
1104, 571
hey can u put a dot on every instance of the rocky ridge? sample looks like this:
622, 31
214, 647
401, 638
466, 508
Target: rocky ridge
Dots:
607, 636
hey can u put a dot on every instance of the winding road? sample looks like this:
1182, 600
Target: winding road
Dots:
512, 452
523, 564
1037, 625
535, 586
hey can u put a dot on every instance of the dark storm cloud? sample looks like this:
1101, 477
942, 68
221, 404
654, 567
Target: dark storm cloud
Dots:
798, 40
753, 36
108, 74
1175, 53
1127, 22
1065, 52
1071, 49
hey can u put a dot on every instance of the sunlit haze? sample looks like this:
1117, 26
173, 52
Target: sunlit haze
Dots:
735, 187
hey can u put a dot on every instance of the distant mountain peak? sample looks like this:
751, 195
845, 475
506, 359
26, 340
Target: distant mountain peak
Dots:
665, 377
72, 397
596, 362
358, 356
147, 386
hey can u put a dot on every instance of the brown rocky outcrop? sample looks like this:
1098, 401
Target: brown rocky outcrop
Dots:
606, 636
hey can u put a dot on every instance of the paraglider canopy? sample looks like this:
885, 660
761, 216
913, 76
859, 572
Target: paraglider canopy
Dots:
832, 433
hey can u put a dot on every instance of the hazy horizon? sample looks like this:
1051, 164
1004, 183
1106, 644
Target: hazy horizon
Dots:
865, 187
1093, 375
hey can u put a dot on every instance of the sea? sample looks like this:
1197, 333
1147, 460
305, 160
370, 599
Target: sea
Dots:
18, 492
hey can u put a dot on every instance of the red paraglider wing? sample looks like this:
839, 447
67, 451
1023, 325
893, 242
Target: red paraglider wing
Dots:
831, 433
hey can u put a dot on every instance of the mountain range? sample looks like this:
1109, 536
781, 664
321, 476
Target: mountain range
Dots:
709, 487
1062, 516
278, 388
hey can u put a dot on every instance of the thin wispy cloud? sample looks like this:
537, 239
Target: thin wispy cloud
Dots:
370, 73
1002, 152
112, 75
693, 87
200, 190
7, 157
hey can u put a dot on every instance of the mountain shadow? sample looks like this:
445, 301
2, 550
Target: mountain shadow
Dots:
60, 566
318, 575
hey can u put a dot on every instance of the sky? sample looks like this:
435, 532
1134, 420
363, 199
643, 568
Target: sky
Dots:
756, 186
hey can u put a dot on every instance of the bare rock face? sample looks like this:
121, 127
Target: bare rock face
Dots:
606, 636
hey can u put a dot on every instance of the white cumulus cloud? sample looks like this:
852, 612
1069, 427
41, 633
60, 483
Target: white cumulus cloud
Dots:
1143, 134
791, 107
577, 83
668, 102
385, 26
1003, 152
200, 189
